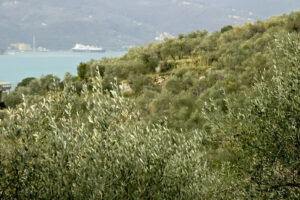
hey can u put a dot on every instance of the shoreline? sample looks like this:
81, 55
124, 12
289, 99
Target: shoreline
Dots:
21, 65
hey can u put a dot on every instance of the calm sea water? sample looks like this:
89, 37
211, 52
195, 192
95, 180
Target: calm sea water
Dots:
14, 68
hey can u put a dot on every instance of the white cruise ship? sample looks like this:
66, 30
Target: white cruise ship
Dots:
87, 48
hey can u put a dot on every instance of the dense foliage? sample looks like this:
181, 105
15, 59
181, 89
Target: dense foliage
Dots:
52, 150
203, 116
264, 135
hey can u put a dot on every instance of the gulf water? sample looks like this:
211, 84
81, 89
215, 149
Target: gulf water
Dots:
14, 68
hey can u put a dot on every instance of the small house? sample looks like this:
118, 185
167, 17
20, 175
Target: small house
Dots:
5, 86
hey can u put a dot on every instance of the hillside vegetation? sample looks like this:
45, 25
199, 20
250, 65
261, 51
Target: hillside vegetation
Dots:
202, 116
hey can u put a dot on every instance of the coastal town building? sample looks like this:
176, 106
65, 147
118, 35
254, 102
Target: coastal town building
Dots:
5, 86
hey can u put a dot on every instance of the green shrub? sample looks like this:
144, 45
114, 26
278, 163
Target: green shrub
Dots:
50, 151
226, 28
25, 82
264, 133
138, 82
3, 114
12, 99
82, 71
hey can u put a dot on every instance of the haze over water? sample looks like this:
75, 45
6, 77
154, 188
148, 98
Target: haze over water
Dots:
14, 68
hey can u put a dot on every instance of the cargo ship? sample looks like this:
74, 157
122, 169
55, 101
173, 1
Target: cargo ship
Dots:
87, 48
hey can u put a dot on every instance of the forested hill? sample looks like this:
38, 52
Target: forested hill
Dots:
203, 116
118, 23
174, 78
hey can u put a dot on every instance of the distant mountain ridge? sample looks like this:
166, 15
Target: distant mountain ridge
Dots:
121, 23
